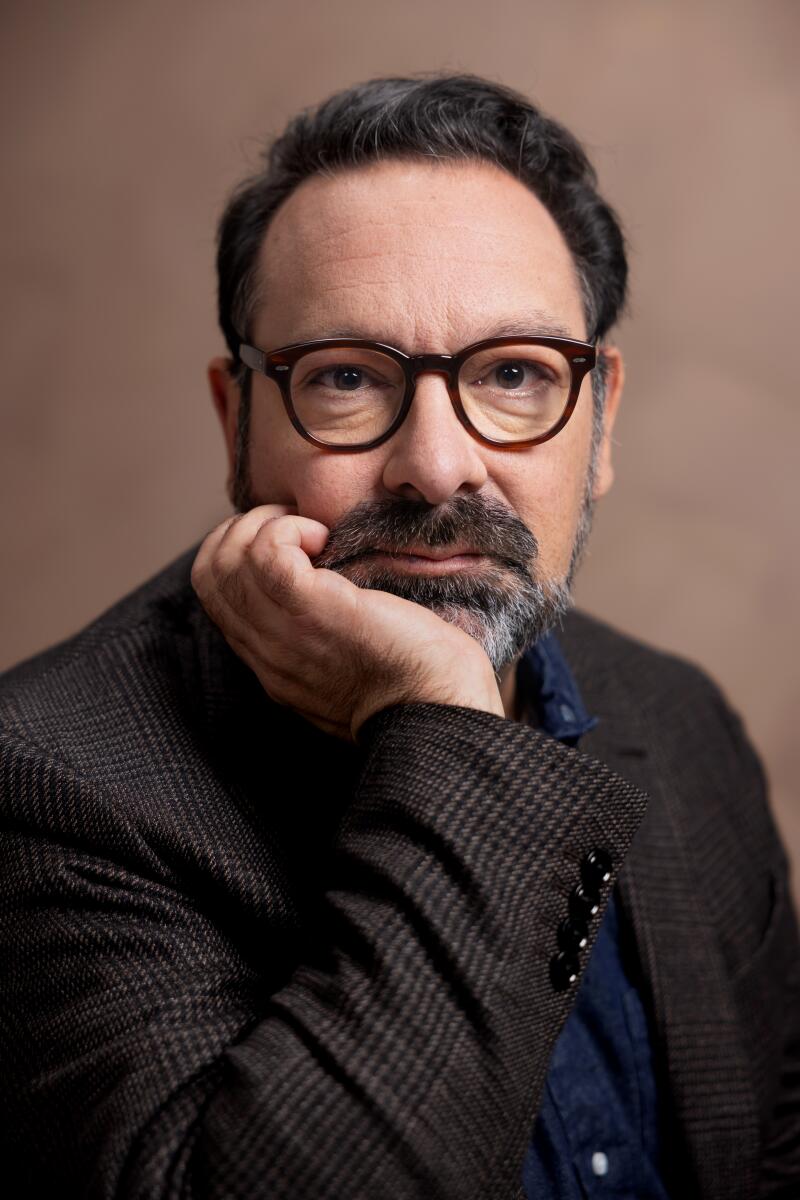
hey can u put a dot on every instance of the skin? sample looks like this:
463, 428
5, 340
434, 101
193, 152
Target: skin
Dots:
428, 256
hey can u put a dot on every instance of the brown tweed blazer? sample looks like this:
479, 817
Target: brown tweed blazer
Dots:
242, 959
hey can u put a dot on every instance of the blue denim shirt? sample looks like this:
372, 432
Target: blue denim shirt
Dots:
597, 1131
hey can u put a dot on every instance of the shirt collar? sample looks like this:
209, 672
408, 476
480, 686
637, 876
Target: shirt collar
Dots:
544, 677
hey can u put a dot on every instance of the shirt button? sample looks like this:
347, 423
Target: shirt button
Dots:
566, 712
600, 1163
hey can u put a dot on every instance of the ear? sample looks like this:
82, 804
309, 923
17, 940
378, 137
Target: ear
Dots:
226, 396
615, 379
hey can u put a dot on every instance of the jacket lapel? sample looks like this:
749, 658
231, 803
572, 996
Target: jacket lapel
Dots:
712, 1106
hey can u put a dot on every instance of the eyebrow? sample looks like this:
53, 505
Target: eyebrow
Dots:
536, 322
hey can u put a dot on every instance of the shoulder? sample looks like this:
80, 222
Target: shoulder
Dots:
92, 688
680, 713
595, 646
138, 737
618, 671
670, 726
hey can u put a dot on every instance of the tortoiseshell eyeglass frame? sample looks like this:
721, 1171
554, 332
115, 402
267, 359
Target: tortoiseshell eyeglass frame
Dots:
279, 366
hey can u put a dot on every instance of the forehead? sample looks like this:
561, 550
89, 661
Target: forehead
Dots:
428, 255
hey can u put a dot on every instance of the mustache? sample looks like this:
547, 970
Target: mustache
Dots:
483, 523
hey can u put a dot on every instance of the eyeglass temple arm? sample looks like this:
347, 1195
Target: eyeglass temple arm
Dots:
256, 359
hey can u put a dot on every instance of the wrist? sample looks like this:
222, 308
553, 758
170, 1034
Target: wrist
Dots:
484, 700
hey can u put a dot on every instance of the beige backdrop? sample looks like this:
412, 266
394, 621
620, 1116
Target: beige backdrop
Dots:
125, 126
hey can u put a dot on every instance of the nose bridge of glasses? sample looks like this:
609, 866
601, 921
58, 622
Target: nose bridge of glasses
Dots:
426, 364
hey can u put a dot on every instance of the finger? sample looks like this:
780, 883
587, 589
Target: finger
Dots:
245, 525
257, 528
201, 567
218, 566
293, 530
227, 559
279, 560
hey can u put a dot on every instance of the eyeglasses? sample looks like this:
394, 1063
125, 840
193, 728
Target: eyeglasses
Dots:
349, 394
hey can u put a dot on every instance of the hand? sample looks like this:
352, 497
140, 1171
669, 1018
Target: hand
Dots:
331, 651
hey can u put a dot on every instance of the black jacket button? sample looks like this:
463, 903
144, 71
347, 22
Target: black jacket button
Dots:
563, 971
596, 868
572, 935
583, 903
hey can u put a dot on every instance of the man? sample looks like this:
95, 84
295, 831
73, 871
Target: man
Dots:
343, 858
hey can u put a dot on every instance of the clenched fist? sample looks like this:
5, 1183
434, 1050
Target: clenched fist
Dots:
331, 651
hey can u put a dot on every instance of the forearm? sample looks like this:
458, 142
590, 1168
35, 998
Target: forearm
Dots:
404, 1054
409, 1058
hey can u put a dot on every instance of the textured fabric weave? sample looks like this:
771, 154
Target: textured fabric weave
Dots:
239, 959
598, 1132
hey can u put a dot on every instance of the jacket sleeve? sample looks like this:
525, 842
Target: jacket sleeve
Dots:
402, 1055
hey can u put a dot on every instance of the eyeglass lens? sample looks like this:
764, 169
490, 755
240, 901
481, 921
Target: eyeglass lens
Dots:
346, 396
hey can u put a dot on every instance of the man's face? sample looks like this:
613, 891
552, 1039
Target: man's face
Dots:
427, 257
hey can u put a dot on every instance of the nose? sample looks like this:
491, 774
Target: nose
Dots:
432, 456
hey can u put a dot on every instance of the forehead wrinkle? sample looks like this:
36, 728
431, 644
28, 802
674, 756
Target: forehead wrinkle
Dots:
426, 244
426, 227
461, 298
293, 233
323, 276
469, 259
382, 307
533, 324
379, 201
357, 285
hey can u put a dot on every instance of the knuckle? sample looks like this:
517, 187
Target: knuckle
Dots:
233, 588
224, 558
277, 576
209, 599
281, 586
267, 533
224, 571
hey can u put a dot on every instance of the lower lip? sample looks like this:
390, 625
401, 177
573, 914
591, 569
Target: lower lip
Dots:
429, 566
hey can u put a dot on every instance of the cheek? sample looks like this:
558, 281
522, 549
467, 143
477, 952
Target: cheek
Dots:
326, 486
273, 448
285, 469
548, 493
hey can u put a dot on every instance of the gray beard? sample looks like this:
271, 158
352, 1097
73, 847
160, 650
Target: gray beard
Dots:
505, 618
505, 607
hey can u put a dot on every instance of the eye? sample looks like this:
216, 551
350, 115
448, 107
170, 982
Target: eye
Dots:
343, 378
514, 374
510, 374
506, 375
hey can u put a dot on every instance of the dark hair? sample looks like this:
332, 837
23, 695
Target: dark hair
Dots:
433, 116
